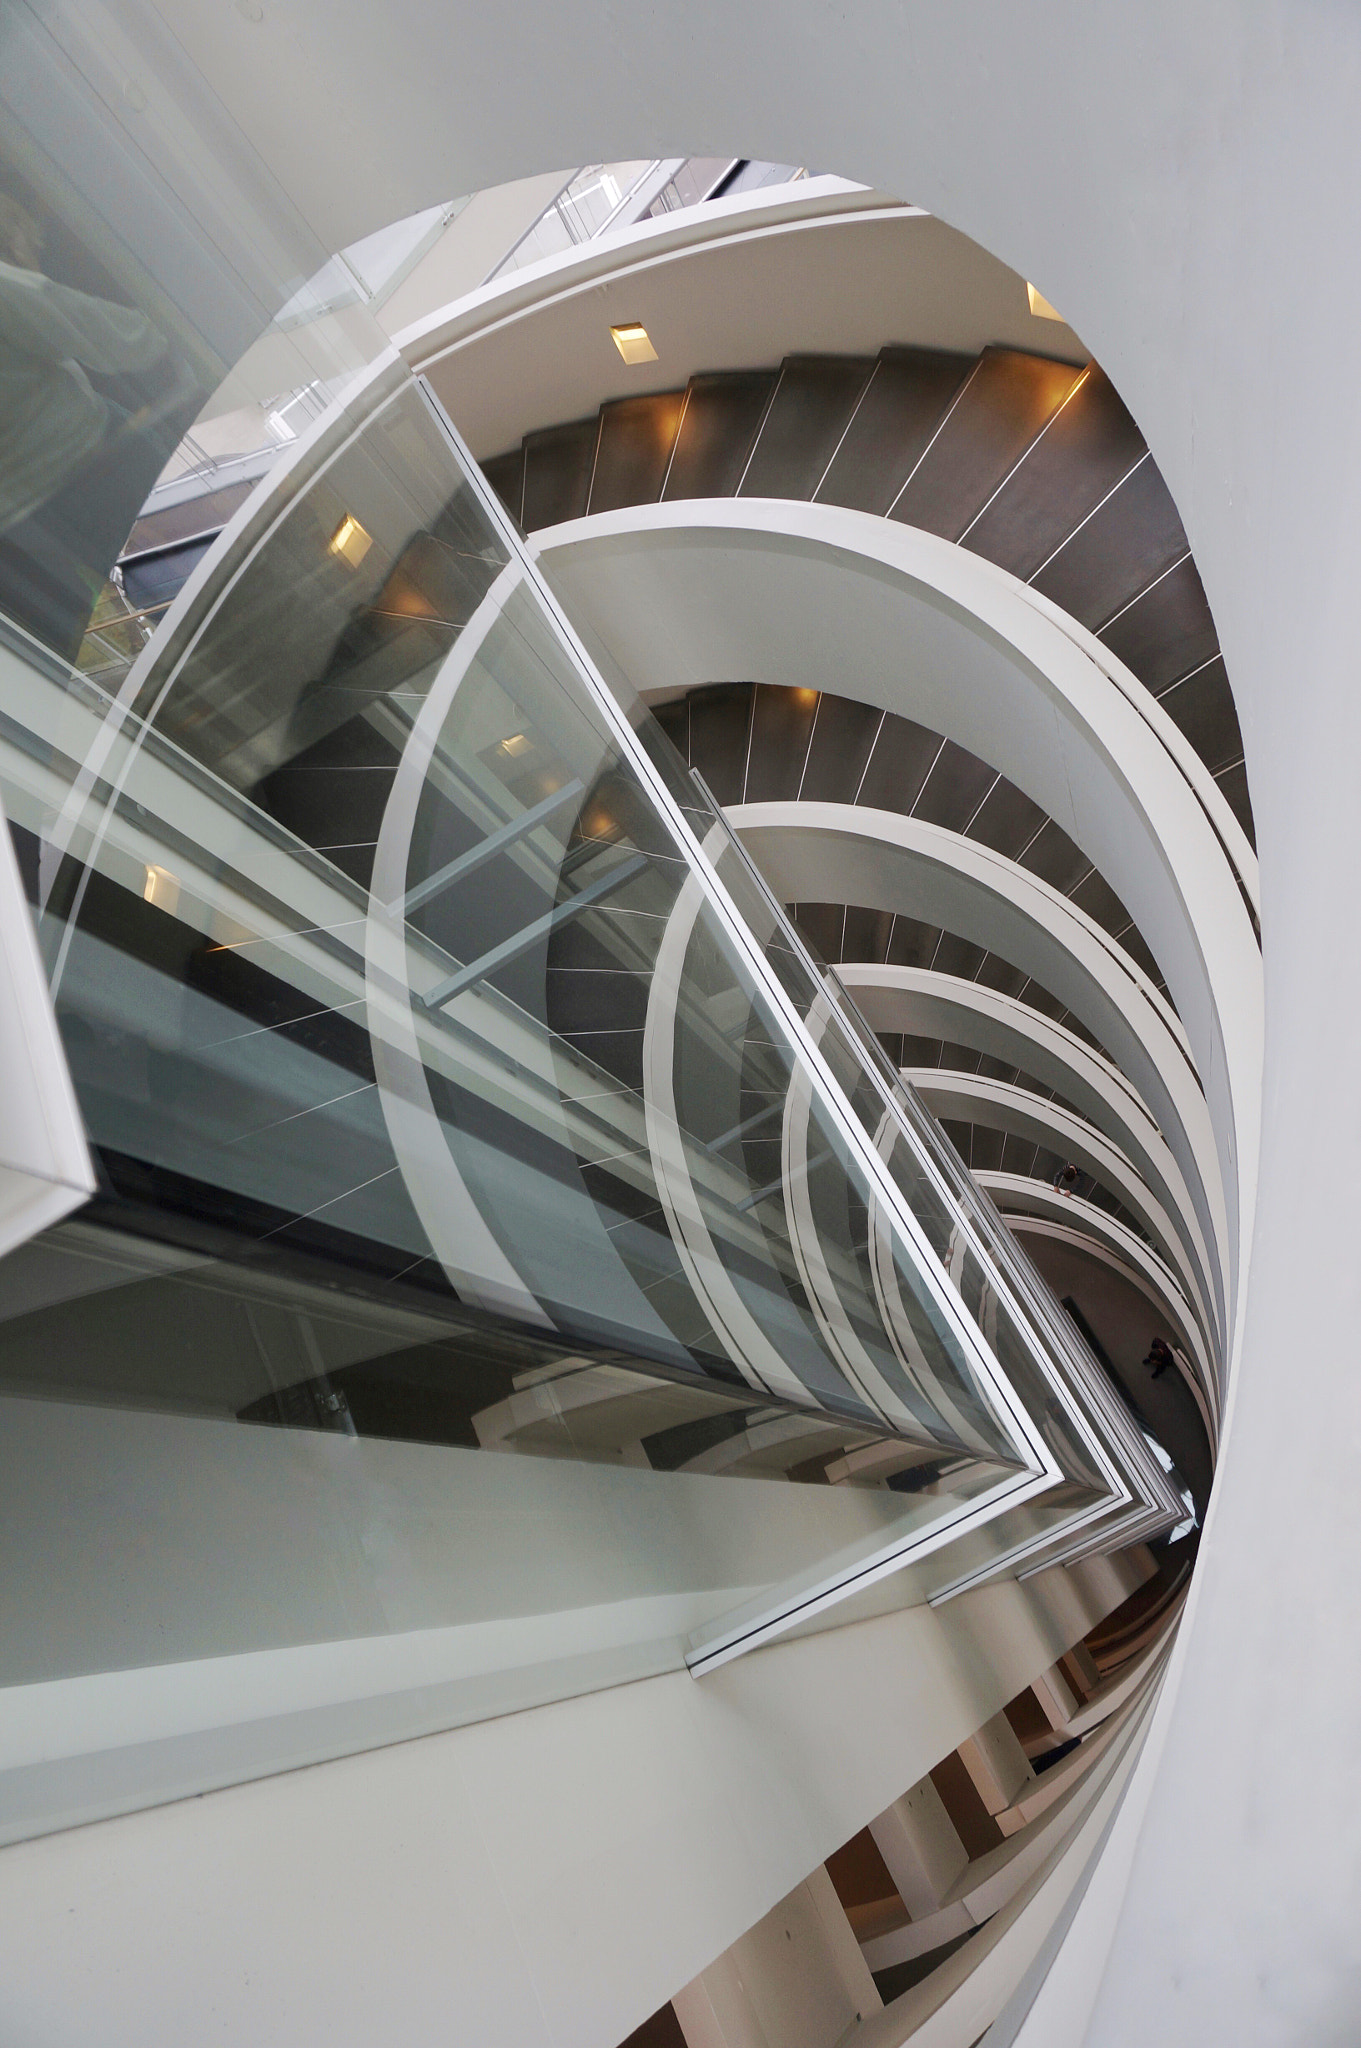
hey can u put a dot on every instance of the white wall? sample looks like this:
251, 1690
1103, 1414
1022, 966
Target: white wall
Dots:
549, 1877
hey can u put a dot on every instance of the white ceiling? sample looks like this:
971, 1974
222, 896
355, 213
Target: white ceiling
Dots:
838, 271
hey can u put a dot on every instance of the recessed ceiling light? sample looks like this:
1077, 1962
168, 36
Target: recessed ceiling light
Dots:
1040, 306
350, 541
634, 343
515, 744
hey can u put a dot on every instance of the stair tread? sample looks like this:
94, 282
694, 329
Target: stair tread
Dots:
1135, 537
1088, 446
558, 463
722, 414
999, 411
896, 417
634, 447
807, 417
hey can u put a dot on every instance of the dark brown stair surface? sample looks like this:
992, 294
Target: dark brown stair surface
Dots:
781, 727
637, 436
998, 413
902, 759
722, 414
506, 475
1035, 465
1203, 707
901, 408
558, 464
720, 724
813, 402
1234, 783
1124, 547
955, 788
1088, 446
1167, 632
839, 752
1007, 821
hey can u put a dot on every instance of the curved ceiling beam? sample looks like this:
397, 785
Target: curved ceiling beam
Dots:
1001, 1106
678, 594
933, 1005
850, 854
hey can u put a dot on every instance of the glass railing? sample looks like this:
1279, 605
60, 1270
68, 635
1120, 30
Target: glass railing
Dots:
504, 1238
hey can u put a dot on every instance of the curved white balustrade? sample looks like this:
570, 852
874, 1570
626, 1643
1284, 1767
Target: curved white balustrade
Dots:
1002, 1106
684, 593
848, 854
934, 1005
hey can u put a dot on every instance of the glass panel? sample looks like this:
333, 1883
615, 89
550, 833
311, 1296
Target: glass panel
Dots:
496, 1216
407, 1031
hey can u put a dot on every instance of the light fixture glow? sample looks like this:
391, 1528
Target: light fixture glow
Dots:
633, 342
162, 889
1040, 306
350, 541
515, 743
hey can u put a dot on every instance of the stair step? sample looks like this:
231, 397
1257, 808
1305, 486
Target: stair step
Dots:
637, 436
813, 402
901, 407
1089, 445
839, 752
1000, 409
1167, 632
781, 727
1204, 709
720, 721
506, 475
558, 465
723, 412
1134, 538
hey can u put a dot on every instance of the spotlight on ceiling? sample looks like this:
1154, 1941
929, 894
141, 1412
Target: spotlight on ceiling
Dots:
350, 541
633, 342
1040, 306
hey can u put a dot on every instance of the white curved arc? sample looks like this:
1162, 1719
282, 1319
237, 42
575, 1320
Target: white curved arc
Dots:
823, 1298
1002, 1106
931, 1004
681, 593
471, 1256
1019, 1197
936, 1005
897, 1322
815, 852
742, 1336
1159, 1290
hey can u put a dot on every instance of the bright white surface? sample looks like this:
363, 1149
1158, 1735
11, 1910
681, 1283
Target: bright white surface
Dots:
481, 1881
45, 1167
814, 267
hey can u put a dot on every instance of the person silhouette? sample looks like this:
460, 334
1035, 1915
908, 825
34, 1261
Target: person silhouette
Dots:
1159, 1356
51, 336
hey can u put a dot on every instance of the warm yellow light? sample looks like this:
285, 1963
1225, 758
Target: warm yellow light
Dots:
162, 889
805, 697
516, 743
350, 541
1040, 306
634, 343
